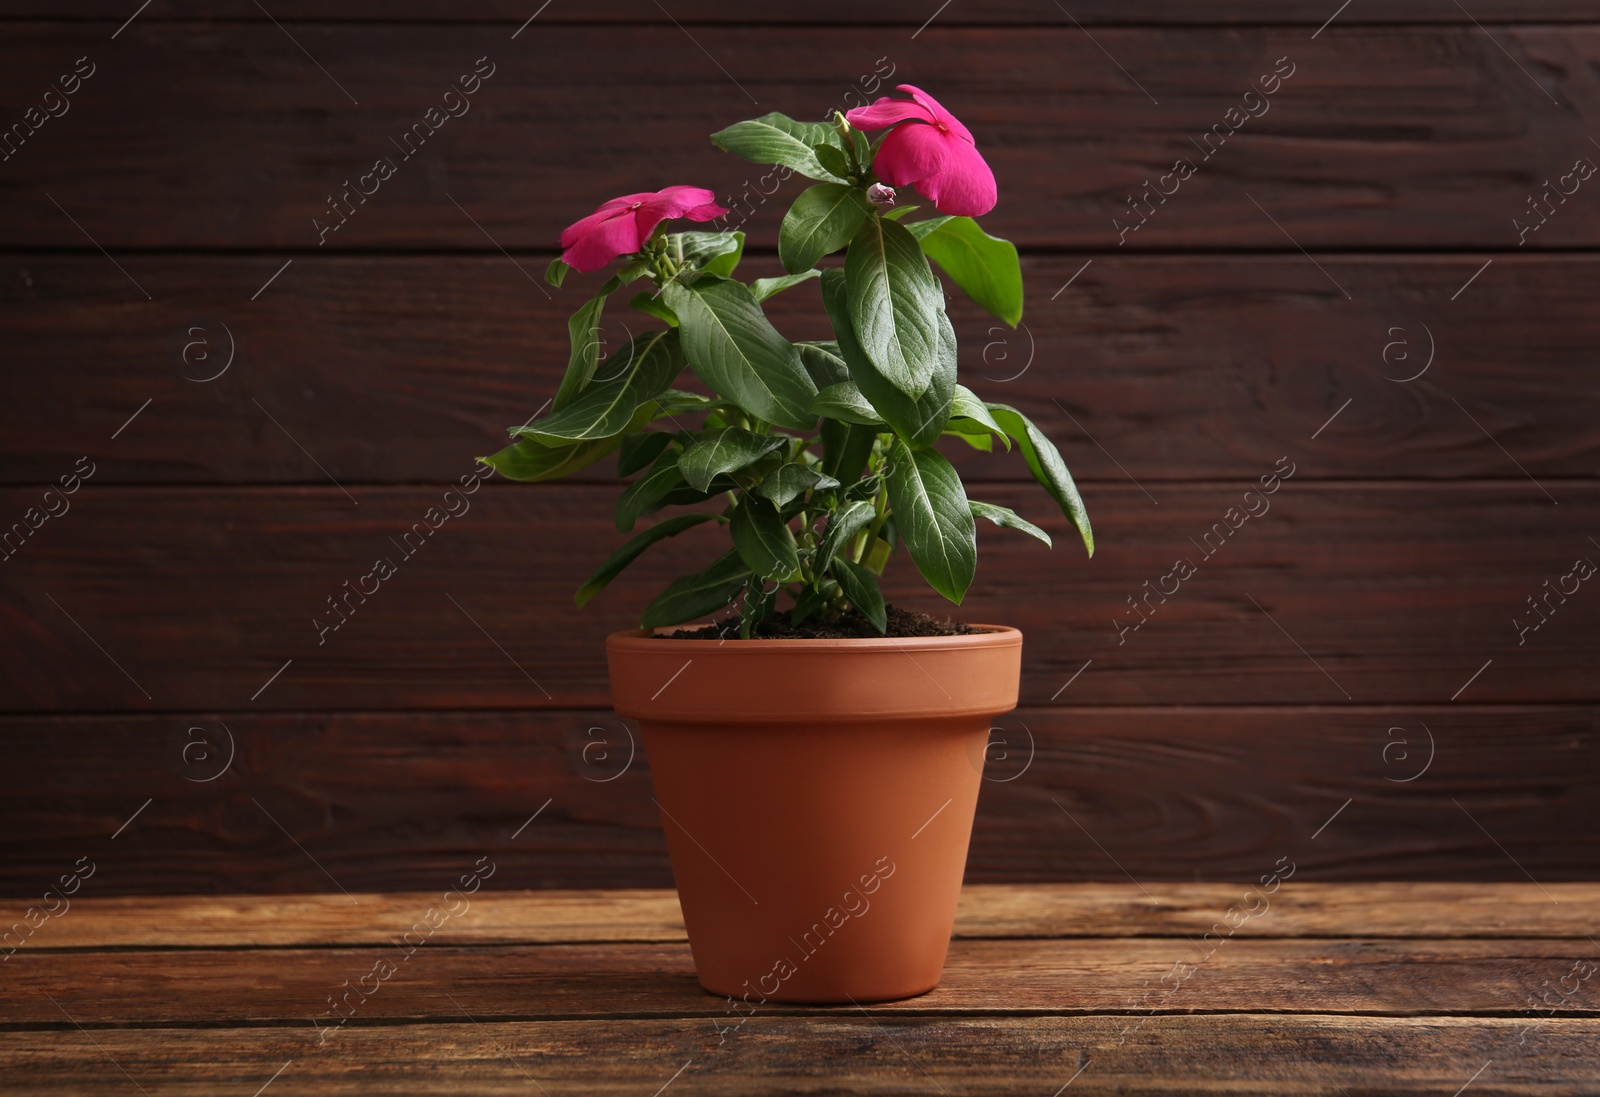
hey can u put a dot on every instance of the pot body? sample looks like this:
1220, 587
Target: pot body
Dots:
817, 797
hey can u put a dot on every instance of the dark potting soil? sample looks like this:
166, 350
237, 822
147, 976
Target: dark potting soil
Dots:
848, 626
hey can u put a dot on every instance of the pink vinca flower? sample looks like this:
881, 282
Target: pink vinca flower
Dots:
622, 225
931, 150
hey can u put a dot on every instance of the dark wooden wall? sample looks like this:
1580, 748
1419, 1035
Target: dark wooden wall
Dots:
1350, 656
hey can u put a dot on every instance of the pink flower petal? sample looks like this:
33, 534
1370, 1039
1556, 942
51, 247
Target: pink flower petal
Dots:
708, 212
621, 225
885, 112
910, 154
601, 237
627, 200
937, 113
579, 229
603, 212
691, 202
964, 186
677, 201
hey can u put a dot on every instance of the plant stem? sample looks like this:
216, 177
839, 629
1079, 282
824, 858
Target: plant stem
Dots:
881, 505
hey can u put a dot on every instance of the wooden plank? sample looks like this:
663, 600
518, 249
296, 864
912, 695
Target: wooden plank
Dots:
1383, 137
205, 607
827, 12
496, 918
447, 352
1381, 909
410, 801
548, 982
1245, 1054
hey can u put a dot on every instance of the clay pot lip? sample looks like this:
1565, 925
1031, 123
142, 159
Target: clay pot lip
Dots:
639, 640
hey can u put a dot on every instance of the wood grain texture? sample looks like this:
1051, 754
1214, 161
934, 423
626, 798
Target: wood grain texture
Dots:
1386, 909
386, 801
1399, 592
1180, 367
1271, 1009
226, 135
910, 13
1241, 1054
549, 982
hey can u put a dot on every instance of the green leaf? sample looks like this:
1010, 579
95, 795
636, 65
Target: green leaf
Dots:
724, 451
764, 540
712, 252
583, 329
861, 587
632, 272
919, 422
824, 363
645, 493
556, 272
860, 148
630, 551
984, 266
532, 462
931, 511
899, 212
1045, 462
682, 493
733, 349
696, 596
842, 526
778, 139
790, 480
810, 601
663, 486
969, 415
846, 448
983, 442
651, 305
833, 159
642, 373
638, 450
895, 304
822, 220
678, 402
762, 288
1003, 516
866, 488
845, 403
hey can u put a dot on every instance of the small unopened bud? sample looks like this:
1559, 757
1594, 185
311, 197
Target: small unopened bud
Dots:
842, 125
880, 195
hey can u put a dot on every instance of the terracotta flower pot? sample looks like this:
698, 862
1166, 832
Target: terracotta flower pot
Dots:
817, 797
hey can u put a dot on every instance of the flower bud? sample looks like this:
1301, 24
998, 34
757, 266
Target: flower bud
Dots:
842, 126
880, 195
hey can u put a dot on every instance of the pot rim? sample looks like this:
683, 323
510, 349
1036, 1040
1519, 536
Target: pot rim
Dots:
641, 640
756, 682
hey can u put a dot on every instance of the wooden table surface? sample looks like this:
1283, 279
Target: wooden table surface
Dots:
1048, 990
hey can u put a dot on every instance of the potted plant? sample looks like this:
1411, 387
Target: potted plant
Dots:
813, 752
